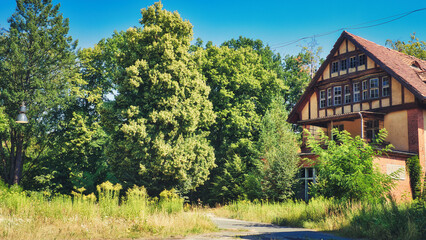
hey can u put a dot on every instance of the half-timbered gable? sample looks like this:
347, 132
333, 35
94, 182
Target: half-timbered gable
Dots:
363, 87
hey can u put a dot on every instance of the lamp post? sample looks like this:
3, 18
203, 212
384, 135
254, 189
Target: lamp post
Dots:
22, 118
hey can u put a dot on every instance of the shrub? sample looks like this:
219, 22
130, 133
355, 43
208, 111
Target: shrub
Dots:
345, 168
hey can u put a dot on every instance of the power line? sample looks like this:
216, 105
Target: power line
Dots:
394, 18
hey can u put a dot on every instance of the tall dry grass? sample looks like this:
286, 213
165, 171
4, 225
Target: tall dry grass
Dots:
35, 215
374, 221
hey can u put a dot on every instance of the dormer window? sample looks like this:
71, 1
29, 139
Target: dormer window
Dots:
334, 67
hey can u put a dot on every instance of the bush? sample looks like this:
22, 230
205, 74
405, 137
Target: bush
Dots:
415, 171
345, 168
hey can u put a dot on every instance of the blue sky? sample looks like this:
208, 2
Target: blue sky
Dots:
274, 22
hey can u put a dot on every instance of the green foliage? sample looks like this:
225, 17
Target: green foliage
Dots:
37, 66
415, 172
241, 90
170, 202
345, 167
160, 116
413, 47
279, 151
298, 72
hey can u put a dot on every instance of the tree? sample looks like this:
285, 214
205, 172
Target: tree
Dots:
413, 47
345, 168
37, 66
160, 117
241, 91
279, 151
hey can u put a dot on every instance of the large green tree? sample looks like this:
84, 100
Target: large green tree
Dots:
241, 90
160, 117
37, 66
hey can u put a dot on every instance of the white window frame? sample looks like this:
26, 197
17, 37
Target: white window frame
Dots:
374, 88
364, 86
323, 100
385, 87
337, 95
306, 179
347, 94
357, 92
329, 97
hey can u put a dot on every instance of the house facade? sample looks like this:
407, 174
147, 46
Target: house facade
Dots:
363, 87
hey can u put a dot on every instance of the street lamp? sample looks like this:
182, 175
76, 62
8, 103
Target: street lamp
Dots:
22, 118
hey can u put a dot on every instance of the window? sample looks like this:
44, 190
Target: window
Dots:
374, 88
343, 64
347, 94
362, 60
372, 128
352, 62
307, 177
329, 103
385, 87
338, 95
322, 98
334, 67
364, 90
356, 92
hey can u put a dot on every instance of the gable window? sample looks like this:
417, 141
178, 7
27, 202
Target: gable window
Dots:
343, 64
322, 98
357, 93
334, 67
362, 60
347, 94
338, 95
372, 128
329, 103
374, 88
364, 90
352, 62
385, 87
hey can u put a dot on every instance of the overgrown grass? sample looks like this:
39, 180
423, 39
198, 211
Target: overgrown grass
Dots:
374, 221
35, 215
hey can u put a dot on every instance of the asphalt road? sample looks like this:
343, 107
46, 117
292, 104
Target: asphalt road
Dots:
237, 229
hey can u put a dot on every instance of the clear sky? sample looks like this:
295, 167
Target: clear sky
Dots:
274, 22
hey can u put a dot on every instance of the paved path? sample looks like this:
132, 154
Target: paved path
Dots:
237, 229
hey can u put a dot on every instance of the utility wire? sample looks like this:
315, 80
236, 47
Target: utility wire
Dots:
357, 26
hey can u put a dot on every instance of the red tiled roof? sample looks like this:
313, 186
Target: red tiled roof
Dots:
409, 69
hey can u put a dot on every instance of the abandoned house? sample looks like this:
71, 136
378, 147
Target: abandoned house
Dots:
362, 87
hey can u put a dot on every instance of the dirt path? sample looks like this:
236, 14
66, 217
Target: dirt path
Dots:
237, 229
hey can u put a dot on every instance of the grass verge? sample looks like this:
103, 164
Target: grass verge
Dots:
374, 221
